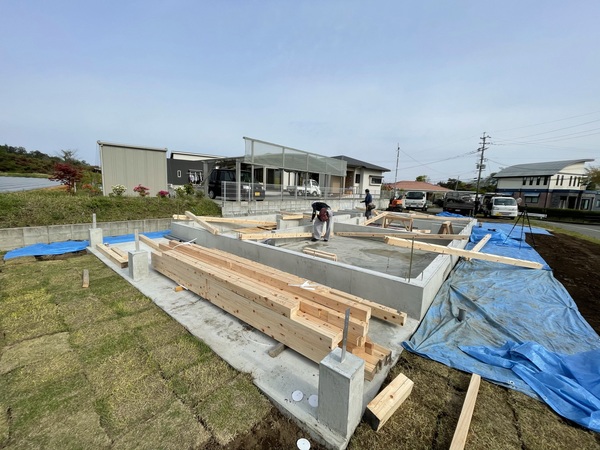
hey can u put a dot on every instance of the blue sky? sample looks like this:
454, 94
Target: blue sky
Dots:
334, 77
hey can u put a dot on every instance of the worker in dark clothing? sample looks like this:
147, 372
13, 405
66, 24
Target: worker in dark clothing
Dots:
368, 201
322, 216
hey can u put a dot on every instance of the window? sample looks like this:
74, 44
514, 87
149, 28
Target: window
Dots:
598, 203
562, 178
531, 198
357, 178
524, 181
179, 174
375, 180
570, 181
538, 181
545, 181
530, 181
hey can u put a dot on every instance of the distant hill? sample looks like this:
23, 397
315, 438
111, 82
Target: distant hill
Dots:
19, 160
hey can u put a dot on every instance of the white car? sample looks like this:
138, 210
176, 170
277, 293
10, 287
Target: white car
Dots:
501, 207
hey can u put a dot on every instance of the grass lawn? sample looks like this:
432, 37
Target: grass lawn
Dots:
103, 367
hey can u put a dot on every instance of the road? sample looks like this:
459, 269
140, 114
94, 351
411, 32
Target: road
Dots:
14, 184
585, 229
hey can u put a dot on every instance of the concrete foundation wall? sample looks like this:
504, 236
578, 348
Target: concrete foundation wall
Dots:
410, 296
12, 238
231, 209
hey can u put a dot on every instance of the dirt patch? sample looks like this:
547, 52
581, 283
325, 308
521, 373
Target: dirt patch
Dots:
575, 264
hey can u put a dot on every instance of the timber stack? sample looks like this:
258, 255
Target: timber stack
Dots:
305, 317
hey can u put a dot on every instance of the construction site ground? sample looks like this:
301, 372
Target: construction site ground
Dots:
503, 419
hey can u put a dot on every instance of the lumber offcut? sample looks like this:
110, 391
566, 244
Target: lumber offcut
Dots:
381, 408
86, 278
462, 429
115, 256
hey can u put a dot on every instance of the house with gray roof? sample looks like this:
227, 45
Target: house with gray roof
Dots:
361, 175
553, 184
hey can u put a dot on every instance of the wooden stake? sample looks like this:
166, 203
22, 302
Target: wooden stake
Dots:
86, 278
381, 408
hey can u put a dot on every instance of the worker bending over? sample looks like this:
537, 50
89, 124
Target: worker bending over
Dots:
321, 216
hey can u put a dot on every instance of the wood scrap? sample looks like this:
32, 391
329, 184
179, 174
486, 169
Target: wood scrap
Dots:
149, 242
86, 278
380, 409
276, 350
115, 256
462, 428
460, 252
320, 253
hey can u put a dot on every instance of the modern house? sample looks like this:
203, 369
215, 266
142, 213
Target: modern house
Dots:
553, 184
184, 168
361, 175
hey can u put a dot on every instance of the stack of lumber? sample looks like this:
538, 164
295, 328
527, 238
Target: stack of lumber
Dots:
306, 318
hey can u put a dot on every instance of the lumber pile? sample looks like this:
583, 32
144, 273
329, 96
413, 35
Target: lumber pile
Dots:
306, 318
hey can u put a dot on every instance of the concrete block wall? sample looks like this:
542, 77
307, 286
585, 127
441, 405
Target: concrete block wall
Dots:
12, 238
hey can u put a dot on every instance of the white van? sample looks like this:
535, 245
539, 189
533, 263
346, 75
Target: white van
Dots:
501, 207
415, 200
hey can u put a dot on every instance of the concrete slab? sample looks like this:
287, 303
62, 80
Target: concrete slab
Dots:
246, 349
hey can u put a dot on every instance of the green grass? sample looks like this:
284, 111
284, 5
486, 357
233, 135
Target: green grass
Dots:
56, 207
103, 367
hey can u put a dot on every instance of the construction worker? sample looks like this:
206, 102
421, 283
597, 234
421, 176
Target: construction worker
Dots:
368, 201
321, 216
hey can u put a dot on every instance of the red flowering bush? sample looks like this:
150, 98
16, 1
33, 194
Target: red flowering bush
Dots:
142, 191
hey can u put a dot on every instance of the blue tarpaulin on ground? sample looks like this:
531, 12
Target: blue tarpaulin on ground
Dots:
521, 329
60, 248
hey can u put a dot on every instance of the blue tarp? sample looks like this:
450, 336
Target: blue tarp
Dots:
522, 330
60, 248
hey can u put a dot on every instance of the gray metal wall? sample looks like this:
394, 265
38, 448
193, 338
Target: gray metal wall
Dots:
130, 166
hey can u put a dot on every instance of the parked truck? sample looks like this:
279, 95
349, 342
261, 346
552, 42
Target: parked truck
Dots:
308, 188
460, 202
415, 200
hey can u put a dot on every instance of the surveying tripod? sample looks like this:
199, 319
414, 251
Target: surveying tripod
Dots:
521, 216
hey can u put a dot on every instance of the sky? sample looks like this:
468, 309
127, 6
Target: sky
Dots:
411, 86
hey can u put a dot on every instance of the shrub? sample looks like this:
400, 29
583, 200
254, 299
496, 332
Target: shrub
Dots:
118, 190
142, 191
163, 194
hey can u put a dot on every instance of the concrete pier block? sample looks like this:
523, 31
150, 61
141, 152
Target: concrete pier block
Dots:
341, 387
138, 264
96, 237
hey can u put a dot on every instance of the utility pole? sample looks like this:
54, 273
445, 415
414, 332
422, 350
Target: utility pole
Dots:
480, 165
397, 158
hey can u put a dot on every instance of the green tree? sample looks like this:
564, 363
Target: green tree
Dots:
423, 178
593, 177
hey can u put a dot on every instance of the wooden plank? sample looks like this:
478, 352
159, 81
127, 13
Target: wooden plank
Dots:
114, 257
462, 429
180, 217
402, 234
381, 408
149, 242
86, 278
320, 254
459, 252
258, 236
208, 227
120, 253
376, 217
480, 244
238, 220
292, 217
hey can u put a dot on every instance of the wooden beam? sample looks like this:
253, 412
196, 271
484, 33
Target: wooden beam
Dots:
377, 217
381, 408
320, 254
180, 217
462, 429
86, 278
276, 350
237, 220
259, 236
149, 242
402, 234
292, 217
459, 252
208, 227
480, 244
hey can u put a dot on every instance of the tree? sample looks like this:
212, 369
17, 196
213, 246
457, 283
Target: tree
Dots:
593, 177
68, 175
423, 178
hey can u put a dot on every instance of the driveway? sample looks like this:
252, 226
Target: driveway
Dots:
13, 184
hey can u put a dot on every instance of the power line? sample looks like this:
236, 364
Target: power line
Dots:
545, 123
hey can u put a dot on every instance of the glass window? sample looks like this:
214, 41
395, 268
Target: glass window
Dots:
538, 181
375, 180
357, 178
545, 181
524, 181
